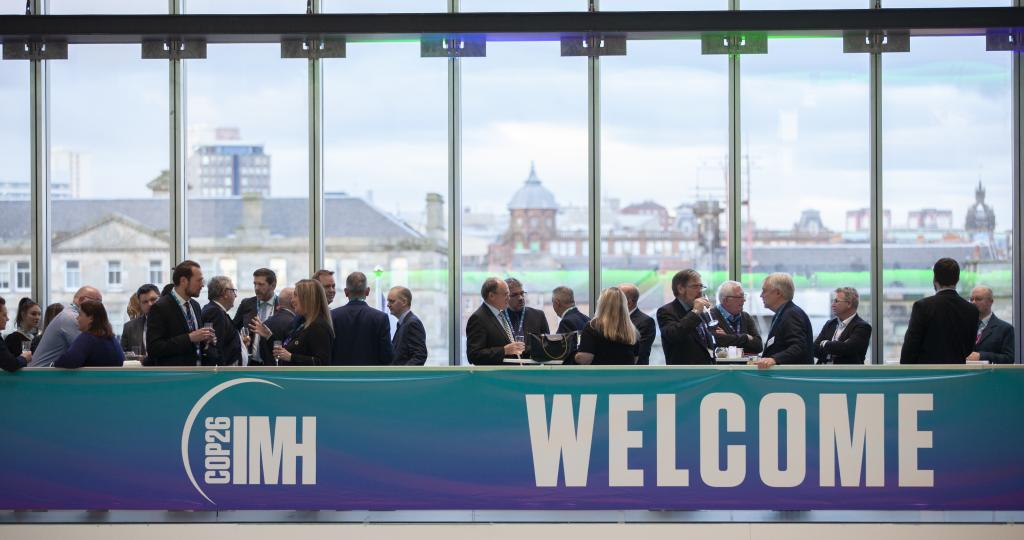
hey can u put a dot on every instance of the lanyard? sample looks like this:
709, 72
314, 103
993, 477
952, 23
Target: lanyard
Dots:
522, 319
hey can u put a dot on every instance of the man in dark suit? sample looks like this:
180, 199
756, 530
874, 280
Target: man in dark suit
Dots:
226, 349
134, 333
789, 338
993, 342
736, 328
844, 339
525, 320
276, 328
643, 322
410, 339
263, 305
686, 336
362, 333
489, 337
174, 335
943, 327
563, 301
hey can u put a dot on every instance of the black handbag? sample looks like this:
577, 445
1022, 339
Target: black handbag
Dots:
552, 347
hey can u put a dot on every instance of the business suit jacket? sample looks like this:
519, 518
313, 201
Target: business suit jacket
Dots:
133, 334
535, 322
167, 342
850, 348
572, 321
942, 330
996, 345
789, 340
310, 346
246, 311
737, 337
680, 335
280, 325
362, 336
410, 342
644, 324
486, 338
228, 350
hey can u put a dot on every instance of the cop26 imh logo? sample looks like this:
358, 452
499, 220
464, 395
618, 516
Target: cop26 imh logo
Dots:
244, 450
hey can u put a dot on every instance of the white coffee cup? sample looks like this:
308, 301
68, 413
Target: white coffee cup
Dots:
734, 352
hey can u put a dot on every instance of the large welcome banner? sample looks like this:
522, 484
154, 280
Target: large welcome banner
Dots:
513, 438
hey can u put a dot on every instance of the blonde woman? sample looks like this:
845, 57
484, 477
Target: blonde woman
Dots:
310, 343
610, 338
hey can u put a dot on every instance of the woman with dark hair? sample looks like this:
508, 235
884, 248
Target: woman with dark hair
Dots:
52, 311
27, 321
95, 346
8, 361
310, 343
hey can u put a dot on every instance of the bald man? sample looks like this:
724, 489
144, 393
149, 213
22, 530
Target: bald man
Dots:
63, 329
994, 341
643, 323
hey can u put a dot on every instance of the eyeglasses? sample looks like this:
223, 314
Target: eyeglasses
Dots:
836, 301
743, 297
518, 294
697, 287
232, 290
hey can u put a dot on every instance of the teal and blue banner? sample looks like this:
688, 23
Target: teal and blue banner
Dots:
514, 438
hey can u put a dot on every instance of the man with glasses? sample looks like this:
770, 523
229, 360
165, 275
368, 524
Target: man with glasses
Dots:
736, 328
789, 338
63, 329
994, 340
523, 319
226, 349
844, 339
686, 335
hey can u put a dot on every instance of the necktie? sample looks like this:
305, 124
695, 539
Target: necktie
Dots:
189, 318
506, 325
981, 328
394, 340
191, 321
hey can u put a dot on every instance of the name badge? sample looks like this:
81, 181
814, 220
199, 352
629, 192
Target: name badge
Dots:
770, 341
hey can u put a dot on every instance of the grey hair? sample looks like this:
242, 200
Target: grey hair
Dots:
218, 287
564, 295
783, 283
726, 287
851, 296
404, 293
356, 284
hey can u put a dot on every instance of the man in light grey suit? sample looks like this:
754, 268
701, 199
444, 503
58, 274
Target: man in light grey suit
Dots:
63, 329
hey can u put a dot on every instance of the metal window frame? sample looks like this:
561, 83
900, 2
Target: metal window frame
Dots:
635, 25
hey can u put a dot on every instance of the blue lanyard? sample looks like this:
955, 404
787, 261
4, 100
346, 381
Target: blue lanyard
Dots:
522, 319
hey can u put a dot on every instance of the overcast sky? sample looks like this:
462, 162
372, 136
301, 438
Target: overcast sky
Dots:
664, 118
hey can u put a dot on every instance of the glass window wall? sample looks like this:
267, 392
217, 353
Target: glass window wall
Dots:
108, 156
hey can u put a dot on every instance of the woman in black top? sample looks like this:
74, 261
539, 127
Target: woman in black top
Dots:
8, 361
610, 337
311, 343
27, 321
